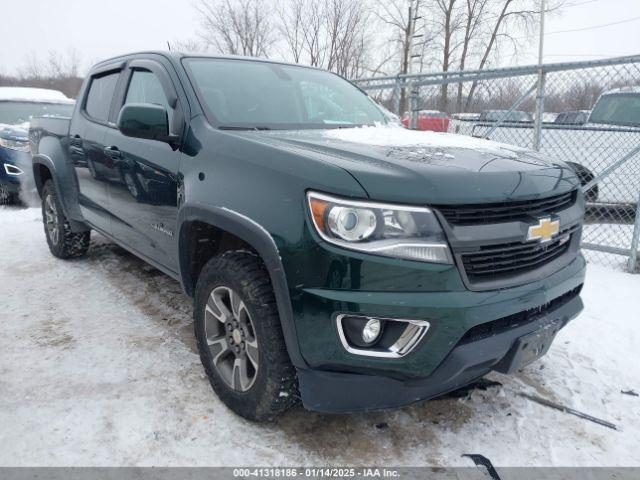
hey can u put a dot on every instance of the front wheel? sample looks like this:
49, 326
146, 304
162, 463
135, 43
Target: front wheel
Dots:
63, 243
240, 338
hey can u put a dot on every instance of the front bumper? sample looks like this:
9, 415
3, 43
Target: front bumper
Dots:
339, 392
336, 380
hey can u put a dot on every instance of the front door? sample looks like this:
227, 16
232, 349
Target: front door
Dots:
144, 198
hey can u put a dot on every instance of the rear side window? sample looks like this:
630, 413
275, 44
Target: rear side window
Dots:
145, 87
100, 95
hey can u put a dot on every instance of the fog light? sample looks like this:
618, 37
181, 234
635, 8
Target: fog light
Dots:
371, 331
380, 337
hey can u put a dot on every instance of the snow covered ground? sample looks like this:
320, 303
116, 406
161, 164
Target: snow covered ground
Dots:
98, 366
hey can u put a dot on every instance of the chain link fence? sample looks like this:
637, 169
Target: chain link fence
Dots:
590, 118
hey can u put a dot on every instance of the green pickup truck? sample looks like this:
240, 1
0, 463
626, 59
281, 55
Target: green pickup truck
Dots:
334, 258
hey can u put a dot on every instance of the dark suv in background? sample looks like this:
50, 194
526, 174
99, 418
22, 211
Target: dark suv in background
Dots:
17, 106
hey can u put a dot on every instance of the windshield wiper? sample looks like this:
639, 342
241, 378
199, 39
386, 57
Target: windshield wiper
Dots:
235, 127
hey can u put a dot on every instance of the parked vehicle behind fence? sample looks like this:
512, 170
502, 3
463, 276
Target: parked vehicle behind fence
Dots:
575, 117
429, 120
617, 108
516, 116
17, 107
614, 121
332, 258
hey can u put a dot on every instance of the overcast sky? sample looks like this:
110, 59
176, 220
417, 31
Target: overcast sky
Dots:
102, 28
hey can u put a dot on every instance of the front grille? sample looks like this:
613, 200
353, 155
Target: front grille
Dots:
479, 214
493, 262
504, 324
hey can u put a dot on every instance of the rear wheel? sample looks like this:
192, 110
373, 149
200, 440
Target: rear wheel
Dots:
63, 243
240, 338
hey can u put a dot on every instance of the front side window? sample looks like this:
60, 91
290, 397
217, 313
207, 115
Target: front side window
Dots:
145, 87
618, 109
14, 112
100, 96
247, 94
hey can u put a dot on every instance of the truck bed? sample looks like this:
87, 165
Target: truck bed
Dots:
48, 126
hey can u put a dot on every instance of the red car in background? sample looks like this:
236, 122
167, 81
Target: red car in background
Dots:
431, 120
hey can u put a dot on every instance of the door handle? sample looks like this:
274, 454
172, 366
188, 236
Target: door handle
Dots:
113, 152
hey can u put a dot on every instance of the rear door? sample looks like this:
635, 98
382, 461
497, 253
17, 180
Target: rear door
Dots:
144, 199
92, 163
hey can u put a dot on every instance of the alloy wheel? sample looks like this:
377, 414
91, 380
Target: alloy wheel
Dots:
231, 338
51, 219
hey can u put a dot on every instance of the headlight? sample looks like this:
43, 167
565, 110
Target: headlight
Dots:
14, 144
396, 231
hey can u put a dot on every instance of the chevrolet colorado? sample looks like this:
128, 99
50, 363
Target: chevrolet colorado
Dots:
333, 258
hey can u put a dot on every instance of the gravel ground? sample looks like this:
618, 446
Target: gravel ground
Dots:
98, 367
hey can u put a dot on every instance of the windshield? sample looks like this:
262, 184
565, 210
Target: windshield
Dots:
619, 109
247, 94
13, 113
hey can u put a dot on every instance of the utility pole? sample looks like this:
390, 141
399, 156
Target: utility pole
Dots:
537, 133
413, 89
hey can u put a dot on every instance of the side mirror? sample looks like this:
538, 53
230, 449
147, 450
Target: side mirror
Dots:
145, 120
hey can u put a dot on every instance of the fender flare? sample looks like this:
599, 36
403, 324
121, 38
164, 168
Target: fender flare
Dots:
262, 242
70, 209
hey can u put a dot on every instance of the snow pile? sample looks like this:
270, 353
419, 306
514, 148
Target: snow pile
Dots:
98, 366
394, 136
24, 94
18, 129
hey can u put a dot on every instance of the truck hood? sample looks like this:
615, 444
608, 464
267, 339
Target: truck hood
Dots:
395, 164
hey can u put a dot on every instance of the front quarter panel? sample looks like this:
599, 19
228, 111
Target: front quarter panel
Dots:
257, 193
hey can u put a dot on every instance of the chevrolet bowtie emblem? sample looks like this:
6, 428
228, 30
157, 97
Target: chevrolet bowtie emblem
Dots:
544, 231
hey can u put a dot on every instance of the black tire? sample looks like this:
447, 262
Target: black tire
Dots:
63, 243
274, 388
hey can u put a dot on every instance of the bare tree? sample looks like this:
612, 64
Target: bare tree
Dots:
345, 24
448, 19
291, 15
31, 67
58, 71
237, 27
506, 14
189, 45
313, 32
331, 34
398, 16
474, 16
62, 65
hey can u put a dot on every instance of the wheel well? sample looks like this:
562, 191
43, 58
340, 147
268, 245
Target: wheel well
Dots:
41, 174
204, 242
